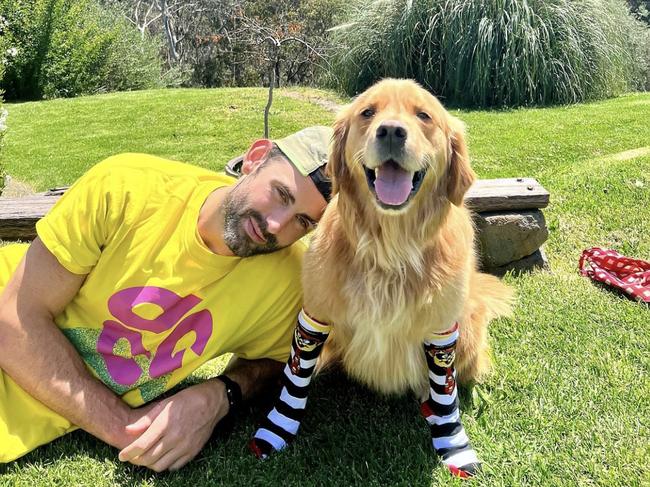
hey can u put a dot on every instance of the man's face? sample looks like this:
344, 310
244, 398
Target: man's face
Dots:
270, 208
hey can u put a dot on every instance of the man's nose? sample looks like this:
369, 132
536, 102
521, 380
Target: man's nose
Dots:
392, 134
277, 220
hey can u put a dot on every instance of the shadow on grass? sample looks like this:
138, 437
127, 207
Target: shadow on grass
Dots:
350, 436
618, 293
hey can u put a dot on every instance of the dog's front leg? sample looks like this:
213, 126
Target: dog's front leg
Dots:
280, 426
441, 409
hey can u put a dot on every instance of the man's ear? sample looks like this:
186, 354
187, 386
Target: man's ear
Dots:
459, 173
256, 155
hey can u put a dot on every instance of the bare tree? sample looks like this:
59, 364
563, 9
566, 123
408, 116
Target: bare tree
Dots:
271, 40
144, 14
174, 18
216, 42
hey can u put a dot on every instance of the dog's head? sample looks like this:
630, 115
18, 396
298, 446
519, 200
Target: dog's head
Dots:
398, 142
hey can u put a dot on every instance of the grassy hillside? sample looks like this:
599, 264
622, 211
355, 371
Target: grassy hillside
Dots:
53, 142
567, 404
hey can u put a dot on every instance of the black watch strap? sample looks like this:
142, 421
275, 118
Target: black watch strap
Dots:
233, 392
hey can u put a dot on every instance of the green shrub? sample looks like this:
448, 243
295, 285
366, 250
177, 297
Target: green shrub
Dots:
73, 47
494, 52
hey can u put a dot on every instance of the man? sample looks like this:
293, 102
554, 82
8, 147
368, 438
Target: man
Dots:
144, 270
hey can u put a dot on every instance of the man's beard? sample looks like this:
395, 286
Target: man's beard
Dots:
235, 236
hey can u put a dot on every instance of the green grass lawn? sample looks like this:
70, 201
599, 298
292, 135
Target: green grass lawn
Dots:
53, 142
569, 401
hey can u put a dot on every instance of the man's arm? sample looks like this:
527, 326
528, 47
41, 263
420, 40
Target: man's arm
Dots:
40, 359
253, 376
179, 426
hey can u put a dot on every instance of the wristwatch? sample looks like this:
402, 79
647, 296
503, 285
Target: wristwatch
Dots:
233, 392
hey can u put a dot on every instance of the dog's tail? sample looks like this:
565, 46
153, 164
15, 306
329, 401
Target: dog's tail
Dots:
491, 294
489, 298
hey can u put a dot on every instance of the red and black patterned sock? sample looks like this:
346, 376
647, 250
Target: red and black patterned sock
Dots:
441, 409
281, 425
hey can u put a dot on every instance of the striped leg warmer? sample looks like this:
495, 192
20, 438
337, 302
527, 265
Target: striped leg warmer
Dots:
441, 409
281, 425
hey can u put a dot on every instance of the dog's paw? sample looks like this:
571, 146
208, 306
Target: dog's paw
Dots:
260, 448
466, 471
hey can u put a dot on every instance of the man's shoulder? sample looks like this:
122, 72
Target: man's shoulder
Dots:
131, 163
285, 264
291, 256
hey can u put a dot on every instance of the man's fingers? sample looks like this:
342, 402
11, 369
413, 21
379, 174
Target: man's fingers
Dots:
180, 462
145, 421
168, 459
148, 439
154, 453
139, 426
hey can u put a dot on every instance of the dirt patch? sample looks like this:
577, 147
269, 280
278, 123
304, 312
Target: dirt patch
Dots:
629, 154
16, 189
328, 105
608, 160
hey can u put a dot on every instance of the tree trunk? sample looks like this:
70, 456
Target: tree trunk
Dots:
171, 41
269, 102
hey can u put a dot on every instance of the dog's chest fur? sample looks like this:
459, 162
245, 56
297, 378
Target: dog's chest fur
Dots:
381, 315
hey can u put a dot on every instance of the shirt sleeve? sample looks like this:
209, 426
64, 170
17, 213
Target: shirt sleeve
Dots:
81, 222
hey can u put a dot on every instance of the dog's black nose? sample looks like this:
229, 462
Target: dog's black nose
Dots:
392, 133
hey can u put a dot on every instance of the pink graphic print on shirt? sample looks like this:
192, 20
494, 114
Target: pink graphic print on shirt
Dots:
126, 371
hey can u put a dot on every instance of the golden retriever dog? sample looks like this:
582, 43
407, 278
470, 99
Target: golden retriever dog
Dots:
392, 262
393, 258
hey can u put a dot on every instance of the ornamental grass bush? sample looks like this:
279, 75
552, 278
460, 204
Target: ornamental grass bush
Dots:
65, 48
494, 52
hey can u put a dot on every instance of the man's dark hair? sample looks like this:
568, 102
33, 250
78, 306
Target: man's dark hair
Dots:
274, 154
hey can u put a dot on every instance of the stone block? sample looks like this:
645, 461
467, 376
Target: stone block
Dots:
505, 237
537, 260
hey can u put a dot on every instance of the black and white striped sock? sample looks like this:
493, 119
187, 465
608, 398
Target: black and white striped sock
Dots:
441, 409
281, 425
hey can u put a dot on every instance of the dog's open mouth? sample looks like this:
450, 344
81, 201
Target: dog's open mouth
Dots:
392, 185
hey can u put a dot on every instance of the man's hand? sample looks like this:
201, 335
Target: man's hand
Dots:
175, 429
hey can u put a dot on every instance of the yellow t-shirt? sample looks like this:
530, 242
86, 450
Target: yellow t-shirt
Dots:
156, 302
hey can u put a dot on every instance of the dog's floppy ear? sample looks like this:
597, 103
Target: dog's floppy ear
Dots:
460, 174
337, 169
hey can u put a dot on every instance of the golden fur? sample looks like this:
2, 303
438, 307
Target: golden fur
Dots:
387, 279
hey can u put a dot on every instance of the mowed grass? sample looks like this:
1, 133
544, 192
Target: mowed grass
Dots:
568, 402
52, 143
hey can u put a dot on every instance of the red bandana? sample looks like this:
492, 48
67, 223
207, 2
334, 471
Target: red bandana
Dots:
629, 275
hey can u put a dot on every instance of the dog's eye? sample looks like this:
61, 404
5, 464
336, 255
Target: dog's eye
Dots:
423, 116
368, 113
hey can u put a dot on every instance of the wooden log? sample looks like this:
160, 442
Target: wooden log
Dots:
506, 194
483, 195
19, 215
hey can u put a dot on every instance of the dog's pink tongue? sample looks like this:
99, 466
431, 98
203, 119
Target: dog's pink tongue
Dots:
393, 184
